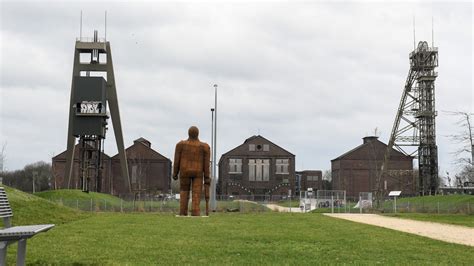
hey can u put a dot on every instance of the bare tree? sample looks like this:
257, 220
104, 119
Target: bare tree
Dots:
327, 175
327, 180
174, 186
139, 173
464, 156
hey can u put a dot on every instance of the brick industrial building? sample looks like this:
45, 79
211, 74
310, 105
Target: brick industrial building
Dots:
356, 170
150, 172
309, 179
257, 167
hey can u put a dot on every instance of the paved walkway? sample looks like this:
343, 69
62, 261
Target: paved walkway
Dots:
279, 208
450, 233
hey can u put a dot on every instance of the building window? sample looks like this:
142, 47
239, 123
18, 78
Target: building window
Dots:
251, 170
312, 178
259, 170
235, 166
251, 147
134, 174
266, 147
282, 166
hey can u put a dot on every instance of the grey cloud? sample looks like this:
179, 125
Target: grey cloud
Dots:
312, 77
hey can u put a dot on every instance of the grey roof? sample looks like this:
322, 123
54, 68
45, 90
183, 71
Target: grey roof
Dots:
365, 144
252, 138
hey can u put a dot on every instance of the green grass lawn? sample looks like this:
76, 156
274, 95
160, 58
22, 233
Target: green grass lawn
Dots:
224, 238
261, 238
456, 219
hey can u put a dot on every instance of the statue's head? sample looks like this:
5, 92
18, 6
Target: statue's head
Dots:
193, 132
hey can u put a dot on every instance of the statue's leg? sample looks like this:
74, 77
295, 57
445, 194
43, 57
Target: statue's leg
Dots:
185, 185
197, 189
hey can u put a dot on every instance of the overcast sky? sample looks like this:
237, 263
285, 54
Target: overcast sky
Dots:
313, 78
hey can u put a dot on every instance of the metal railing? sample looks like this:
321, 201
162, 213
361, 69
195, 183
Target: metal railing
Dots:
90, 39
150, 204
256, 203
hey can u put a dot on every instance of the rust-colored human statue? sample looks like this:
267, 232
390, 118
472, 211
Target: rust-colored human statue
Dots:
191, 162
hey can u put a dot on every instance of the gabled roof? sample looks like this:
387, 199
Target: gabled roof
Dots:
141, 141
252, 138
363, 145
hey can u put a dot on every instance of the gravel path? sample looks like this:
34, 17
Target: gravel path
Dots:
444, 232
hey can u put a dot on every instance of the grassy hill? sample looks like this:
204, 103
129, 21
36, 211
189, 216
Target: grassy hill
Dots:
77, 199
462, 204
30, 209
453, 199
75, 194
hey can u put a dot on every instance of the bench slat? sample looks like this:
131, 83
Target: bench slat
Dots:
24, 231
3, 215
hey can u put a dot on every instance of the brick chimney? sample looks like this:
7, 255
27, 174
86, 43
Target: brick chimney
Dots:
369, 139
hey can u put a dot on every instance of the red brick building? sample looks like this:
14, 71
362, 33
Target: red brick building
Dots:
256, 167
309, 179
150, 172
356, 170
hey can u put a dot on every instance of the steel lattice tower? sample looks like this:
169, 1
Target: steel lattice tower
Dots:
414, 124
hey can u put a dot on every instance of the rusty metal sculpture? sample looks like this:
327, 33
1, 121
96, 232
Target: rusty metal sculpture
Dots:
192, 164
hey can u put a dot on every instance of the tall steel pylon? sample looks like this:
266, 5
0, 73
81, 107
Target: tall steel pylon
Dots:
414, 124
83, 112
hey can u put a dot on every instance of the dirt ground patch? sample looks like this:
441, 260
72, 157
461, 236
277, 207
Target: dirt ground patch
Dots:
444, 232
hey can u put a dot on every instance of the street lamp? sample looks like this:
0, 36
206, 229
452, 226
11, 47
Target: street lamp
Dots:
214, 157
212, 143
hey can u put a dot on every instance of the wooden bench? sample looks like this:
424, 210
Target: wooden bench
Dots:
10, 234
